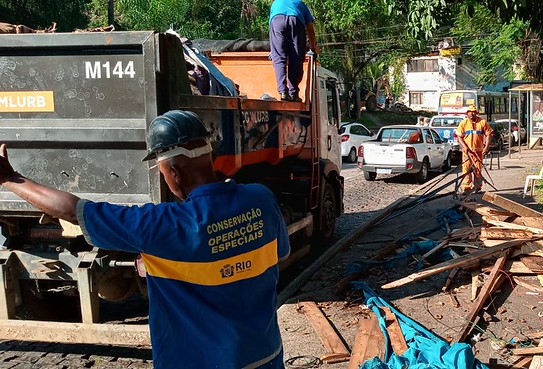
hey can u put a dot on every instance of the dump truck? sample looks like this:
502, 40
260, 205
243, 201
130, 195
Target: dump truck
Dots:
74, 109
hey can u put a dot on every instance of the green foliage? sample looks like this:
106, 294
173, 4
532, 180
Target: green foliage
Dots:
357, 38
191, 18
494, 46
39, 14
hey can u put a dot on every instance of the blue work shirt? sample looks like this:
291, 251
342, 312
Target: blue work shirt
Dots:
294, 8
212, 271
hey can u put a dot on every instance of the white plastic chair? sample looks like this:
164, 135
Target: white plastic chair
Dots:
531, 180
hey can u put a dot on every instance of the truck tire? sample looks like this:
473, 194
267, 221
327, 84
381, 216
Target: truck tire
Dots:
370, 176
422, 175
371, 103
327, 216
351, 158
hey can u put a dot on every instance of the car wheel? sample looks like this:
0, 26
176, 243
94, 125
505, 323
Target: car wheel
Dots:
371, 103
447, 163
370, 176
351, 158
422, 175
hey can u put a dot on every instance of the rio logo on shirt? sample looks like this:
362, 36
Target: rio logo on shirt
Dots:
228, 270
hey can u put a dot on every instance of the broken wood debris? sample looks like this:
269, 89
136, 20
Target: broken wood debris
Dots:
510, 231
336, 351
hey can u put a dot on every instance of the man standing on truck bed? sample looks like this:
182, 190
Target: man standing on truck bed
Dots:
211, 260
473, 134
289, 20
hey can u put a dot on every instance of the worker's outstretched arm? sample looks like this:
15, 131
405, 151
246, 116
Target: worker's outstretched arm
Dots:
312, 38
58, 204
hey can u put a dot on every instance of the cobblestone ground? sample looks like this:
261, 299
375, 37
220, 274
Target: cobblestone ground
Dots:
362, 200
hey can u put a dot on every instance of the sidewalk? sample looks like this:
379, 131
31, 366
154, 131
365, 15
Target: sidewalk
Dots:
423, 300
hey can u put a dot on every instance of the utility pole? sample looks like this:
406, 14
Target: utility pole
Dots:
110, 15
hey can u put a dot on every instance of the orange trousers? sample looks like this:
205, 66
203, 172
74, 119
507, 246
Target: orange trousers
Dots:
475, 178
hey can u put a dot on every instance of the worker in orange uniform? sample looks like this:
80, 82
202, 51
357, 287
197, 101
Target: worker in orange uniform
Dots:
473, 133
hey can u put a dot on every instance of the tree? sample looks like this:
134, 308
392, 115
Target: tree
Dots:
493, 45
425, 17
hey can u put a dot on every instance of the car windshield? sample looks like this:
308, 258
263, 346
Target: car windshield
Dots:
342, 129
398, 134
446, 121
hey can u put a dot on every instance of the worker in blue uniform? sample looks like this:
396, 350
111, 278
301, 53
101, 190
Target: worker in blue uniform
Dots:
211, 260
289, 20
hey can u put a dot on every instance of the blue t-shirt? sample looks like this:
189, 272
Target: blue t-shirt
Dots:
294, 8
212, 270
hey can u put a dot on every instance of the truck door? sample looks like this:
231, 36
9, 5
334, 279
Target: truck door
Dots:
329, 116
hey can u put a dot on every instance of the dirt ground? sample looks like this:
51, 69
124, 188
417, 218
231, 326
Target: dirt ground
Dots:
512, 313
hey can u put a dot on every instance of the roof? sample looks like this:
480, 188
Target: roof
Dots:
528, 87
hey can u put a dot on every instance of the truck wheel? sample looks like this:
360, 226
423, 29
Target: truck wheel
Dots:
370, 176
422, 175
327, 216
351, 158
371, 103
447, 163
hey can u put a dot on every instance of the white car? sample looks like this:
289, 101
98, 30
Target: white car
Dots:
352, 135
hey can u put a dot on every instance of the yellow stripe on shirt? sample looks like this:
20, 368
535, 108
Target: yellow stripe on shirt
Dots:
214, 273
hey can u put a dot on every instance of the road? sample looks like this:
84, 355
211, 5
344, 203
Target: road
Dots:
362, 199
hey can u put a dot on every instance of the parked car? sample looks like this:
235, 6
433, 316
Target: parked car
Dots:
499, 137
445, 125
404, 149
352, 135
522, 133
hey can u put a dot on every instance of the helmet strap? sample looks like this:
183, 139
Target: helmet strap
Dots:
180, 150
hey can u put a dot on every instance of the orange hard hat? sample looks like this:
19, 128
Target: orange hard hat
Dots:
472, 108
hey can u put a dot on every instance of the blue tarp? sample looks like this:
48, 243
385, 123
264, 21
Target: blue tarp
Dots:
425, 348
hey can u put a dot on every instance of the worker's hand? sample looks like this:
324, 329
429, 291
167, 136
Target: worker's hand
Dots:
6, 170
486, 149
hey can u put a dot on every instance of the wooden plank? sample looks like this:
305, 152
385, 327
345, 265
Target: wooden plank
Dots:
368, 343
508, 225
397, 340
475, 283
450, 264
535, 335
484, 210
483, 296
336, 350
504, 234
536, 222
528, 285
522, 362
528, 351
454, 300
510, 205
530, 249
511, 266
436, 248
534, 263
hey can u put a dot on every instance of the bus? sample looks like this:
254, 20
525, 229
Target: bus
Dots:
491, 105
